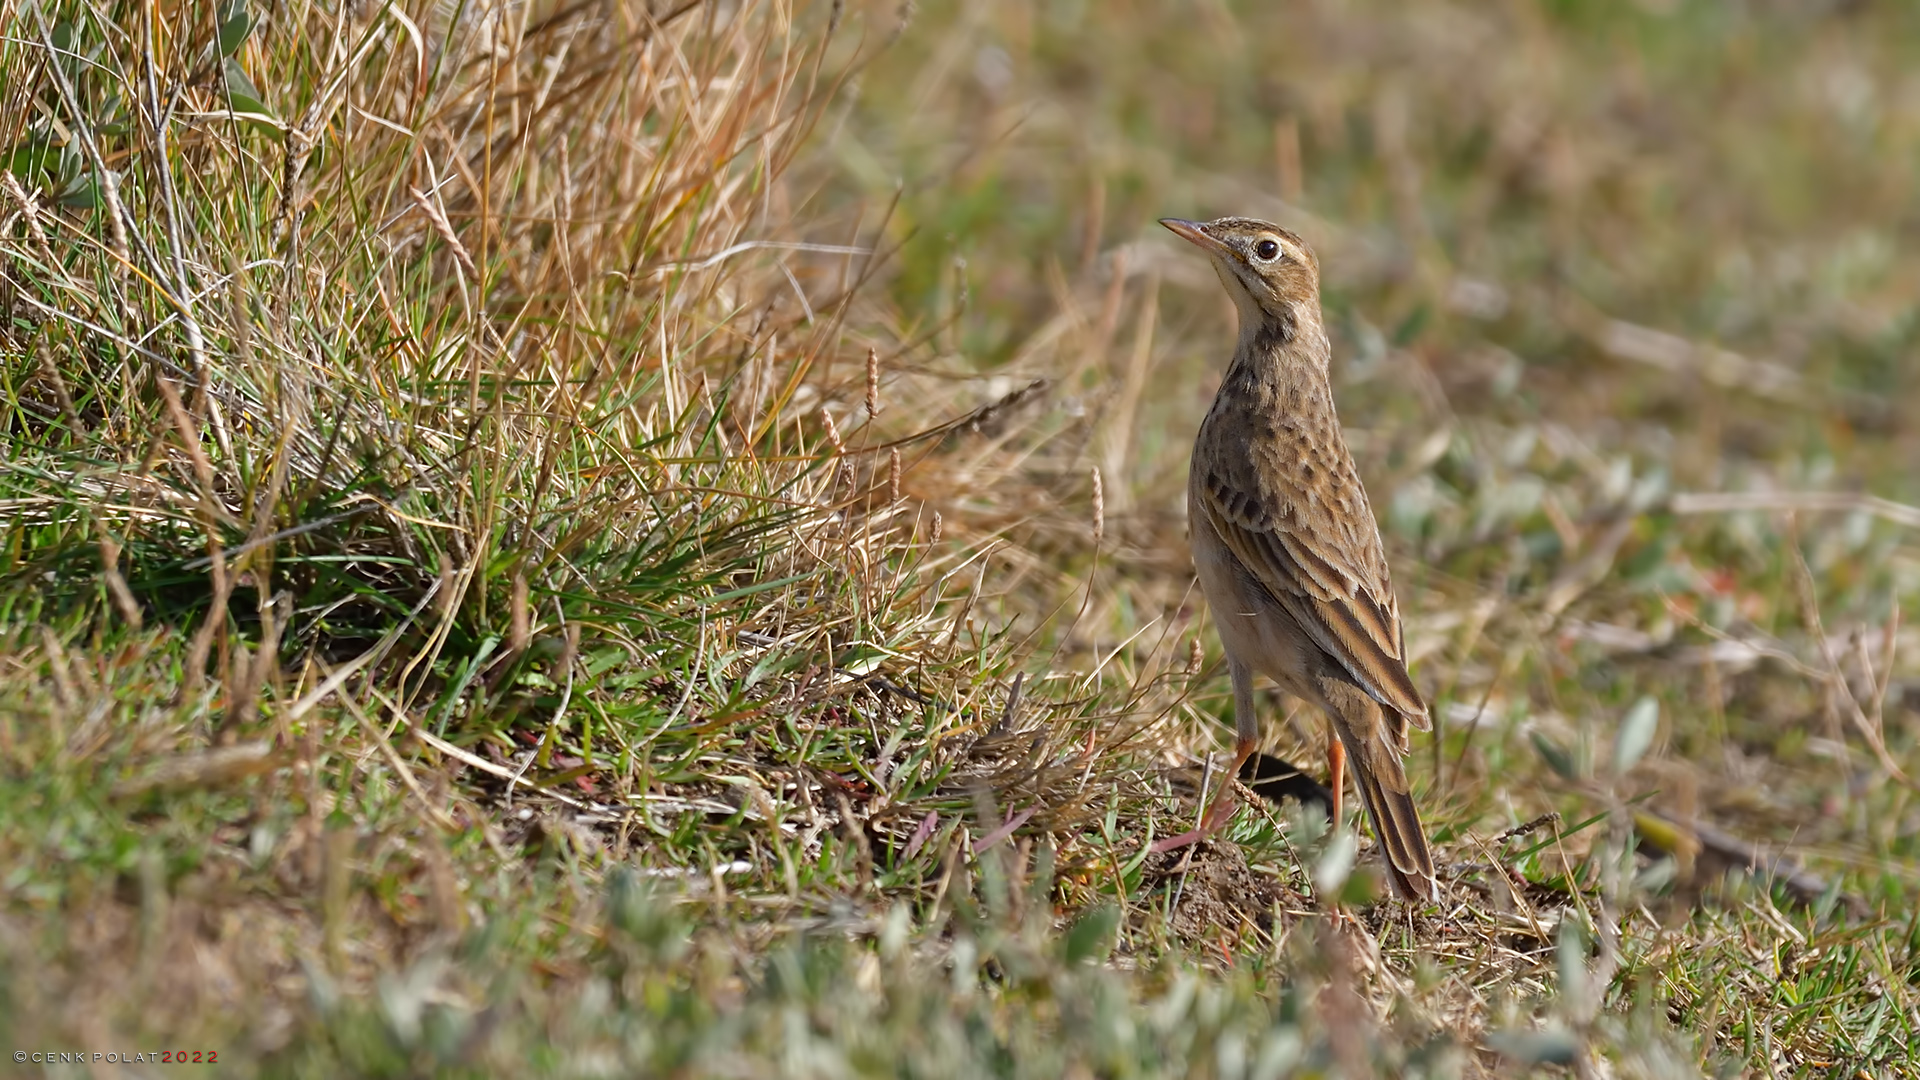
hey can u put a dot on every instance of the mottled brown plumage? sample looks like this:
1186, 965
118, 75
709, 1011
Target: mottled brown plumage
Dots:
1286, 546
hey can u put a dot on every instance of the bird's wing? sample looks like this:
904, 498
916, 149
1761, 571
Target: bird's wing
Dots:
1305, 532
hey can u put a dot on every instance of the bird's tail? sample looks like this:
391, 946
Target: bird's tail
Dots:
1382, 780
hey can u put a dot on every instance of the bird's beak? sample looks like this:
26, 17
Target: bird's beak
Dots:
1196, 233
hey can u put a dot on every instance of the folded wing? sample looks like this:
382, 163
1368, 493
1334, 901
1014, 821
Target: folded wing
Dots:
1327, 570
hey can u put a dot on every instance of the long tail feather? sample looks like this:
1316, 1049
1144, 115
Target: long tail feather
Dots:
1409, 859
1374, 740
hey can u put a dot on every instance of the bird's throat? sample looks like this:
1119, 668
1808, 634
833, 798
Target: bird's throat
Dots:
1278, 349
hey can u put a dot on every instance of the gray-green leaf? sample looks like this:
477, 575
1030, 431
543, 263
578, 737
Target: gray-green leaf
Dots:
1336, 863
1092, 935
1635, 735
1556, 756
236, 22
244, 96
80, 193
1550, 1046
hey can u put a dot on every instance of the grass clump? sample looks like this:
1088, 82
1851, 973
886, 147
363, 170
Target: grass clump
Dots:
622, 537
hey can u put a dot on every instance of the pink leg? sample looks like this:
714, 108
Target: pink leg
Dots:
1336, 773
1220, 811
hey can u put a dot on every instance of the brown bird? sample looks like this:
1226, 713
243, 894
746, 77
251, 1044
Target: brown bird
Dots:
1287, 549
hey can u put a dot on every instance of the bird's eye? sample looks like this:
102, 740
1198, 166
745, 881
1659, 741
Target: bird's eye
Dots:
1267, 250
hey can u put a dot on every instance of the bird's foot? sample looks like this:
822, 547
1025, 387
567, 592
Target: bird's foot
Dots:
1174, 843
1215, 819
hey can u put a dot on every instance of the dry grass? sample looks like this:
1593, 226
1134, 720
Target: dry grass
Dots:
528, 548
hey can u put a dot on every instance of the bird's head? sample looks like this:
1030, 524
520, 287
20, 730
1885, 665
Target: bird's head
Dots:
1270, 273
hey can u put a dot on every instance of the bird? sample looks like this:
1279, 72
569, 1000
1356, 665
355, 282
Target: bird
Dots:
1287, 550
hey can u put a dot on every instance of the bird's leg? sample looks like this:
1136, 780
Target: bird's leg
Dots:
1336, 772
1246, 728
1220, 810
1224, 803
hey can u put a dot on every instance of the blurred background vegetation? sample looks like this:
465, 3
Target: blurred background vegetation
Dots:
620, 536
